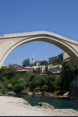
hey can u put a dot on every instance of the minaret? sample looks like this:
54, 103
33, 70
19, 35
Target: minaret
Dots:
33, 59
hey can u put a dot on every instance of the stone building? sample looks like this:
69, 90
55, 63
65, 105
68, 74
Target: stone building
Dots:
37, 63
63, 56
51, 59
40, 69
47, 68
56, 68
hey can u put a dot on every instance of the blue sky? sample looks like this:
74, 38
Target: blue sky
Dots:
58, 16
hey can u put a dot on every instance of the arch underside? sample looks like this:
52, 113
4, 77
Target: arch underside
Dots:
57, 42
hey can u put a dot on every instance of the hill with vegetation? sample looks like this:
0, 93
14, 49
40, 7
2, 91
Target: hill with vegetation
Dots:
12, 80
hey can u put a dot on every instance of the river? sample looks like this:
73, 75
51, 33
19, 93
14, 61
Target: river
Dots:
58, 103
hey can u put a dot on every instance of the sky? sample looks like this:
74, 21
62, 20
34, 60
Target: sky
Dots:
58, 16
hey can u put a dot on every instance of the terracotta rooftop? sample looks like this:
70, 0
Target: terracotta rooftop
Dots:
32, 63
35, 61
38, 61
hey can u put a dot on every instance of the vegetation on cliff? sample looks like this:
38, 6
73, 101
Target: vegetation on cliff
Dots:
12, 80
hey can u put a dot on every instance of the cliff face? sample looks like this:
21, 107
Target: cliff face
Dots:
74, 91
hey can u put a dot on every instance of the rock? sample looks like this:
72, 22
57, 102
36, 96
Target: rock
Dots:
49, 94
60, 96
53, 95
74, 90
30, 93
6, 94
45, 105
39, 93
26, 90
11, 92
37, 89
66, 94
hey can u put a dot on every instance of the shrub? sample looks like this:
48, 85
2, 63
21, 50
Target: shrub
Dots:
1, 94
21, 84
35, 82
34, 71
2, 89
10, 87
44, 88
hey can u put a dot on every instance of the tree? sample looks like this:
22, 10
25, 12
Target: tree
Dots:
26, 62
11, 71
21, 84
52, 85
69, 73
10, 87
31, 65
57, 61
35, 82
44, 62
2, 89
34, 71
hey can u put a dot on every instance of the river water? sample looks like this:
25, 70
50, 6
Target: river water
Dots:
58, 103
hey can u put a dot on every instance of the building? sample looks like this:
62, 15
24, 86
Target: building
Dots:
63, 56
56, 68
30, 69
33, 59
47, 68
37, 63
40, 69
51, 59
20, 68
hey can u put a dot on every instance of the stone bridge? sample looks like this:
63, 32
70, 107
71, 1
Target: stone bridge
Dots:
8, 42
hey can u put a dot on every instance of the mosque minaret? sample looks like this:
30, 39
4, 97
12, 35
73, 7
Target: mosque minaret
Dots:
33, 59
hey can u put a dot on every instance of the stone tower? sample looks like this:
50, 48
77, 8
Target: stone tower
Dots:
33, 59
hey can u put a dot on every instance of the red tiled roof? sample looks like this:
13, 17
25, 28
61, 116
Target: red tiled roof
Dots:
35, 61
32, 63
38, 61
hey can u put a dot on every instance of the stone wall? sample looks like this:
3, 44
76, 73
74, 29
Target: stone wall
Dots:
74, 91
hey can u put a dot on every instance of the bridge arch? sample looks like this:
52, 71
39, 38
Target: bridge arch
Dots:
69, 46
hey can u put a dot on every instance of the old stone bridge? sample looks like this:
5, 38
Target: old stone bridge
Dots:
8, 42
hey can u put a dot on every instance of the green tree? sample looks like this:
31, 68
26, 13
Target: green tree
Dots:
34, 71
44, 62
69, 73
35, 82
3, 72
10, 87
11, 71
44, 88
26, 62
21, 84
44, 80
52, 84
5, 82
2, 89
31, 65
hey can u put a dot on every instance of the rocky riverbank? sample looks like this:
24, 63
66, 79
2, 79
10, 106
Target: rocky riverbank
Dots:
46, 94
12, 106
